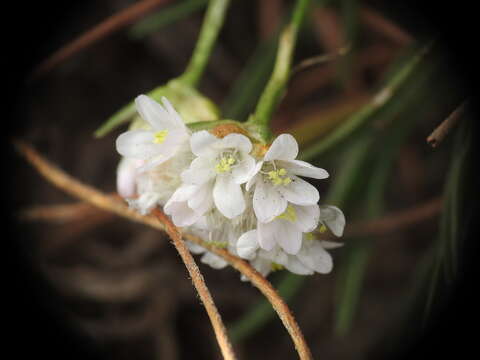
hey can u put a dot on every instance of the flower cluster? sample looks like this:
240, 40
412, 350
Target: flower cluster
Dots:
243, 196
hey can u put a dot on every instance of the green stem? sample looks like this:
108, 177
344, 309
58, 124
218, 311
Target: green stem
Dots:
276, 86
208, 35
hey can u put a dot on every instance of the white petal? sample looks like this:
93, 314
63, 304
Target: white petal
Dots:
181, 214
126, 178
330, 244
316, 257
202, 200
201, 143
252, 180
173, 113
281, 232
194, 248
333, 218
228, 197
245, 170
235, 141
247, 245
268, 203
303, 168
155, 114
284, 147
263, 266
295, 266
200, 171
183, 193
300, 192
307, 217
137, 144
213, 260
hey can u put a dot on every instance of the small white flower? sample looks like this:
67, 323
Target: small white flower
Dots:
161, 142
277, 183
221, 166
285, 230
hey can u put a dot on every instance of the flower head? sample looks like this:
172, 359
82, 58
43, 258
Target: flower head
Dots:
277, 180
161, 141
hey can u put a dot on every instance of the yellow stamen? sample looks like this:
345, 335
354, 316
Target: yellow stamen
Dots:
159, 136
309, 236
290, 214
224, 164
322, 229
287, 181
277, 177
282, 172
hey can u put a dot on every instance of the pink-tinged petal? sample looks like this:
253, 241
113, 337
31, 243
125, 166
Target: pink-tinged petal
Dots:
155, 114
228, 196
268, 203
333, 218
201, 143
244, 170
307, 217
284, 147
235, 141
303, 168
126, 178
300, 192
316, 257
247, 245
201, 170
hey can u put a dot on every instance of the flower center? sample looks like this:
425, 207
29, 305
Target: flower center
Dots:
309, 236
276, 176
290, 214
322, 229
225, 164
159, 136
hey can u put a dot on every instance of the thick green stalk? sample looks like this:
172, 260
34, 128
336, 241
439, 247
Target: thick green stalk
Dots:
276, 86
208, 35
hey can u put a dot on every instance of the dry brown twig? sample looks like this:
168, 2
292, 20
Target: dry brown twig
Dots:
159, 221
105, 28
437, 136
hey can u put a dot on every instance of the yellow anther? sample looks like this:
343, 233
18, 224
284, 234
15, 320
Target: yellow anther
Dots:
309, 236
272, 174
290, 214
287, 181
322, 229
159, 136
224, 164
282, 172
277, 177
275, 267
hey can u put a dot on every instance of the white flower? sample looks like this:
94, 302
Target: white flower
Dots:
219, 169
277, 183
161, 142
285, 230
127, 177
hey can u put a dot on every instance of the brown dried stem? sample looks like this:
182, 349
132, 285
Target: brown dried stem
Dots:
105, 28
444, 128
161, 222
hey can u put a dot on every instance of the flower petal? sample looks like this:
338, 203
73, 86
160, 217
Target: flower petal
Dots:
228, 196
245, 170
303, 168
316, 257
200, 171
213, 260
156, 115
330, 244
181, 214
333, 218
281, 232
235, 141
126, 178
300, 192
173, 113
263, 266
267, 202
137, 144
295, 266
253, 179
307, 217
284, 147
247, 245
201, 142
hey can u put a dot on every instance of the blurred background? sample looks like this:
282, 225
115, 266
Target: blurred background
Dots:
92, 285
